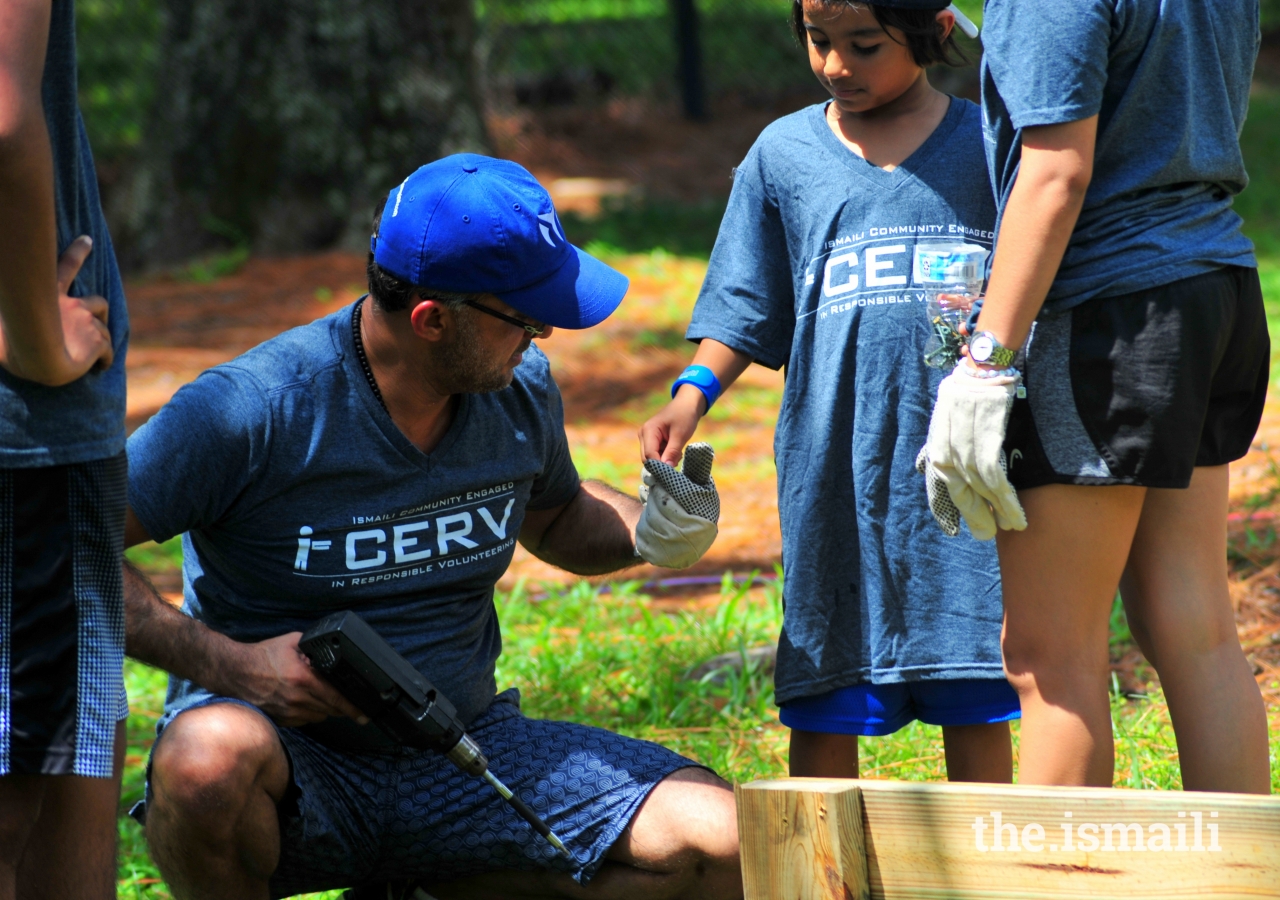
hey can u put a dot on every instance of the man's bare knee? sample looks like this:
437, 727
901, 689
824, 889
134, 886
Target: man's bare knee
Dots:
210, 760
689, 821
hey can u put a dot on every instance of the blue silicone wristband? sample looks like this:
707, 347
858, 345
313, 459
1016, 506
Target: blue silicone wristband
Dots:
703, 379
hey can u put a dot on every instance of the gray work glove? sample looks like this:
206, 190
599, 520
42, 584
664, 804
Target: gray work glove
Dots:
681, 510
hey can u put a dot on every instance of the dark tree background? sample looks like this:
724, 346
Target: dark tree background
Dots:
276, 124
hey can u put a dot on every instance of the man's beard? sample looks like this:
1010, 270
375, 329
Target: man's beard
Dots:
462, 364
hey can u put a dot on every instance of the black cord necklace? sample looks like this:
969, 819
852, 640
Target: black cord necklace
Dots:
360, 354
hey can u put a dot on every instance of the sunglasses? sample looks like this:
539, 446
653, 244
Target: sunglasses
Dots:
535, 330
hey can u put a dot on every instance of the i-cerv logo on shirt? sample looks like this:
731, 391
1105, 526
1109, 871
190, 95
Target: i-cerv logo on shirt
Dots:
411, 542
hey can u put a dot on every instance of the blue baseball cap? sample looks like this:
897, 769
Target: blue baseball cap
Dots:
473, 224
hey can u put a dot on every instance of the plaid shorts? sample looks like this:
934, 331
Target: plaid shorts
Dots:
61, 617
357, 819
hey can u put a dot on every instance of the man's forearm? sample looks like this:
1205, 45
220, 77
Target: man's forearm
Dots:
161, 636
273, 674
594, 534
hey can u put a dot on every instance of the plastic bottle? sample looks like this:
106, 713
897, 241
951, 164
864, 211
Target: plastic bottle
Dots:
952, 274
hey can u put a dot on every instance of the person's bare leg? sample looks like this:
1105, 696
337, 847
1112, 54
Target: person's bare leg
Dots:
20, 801
818, 755
682, 844
978, 752
1175, 595
71, 854
1059, 579
217, 774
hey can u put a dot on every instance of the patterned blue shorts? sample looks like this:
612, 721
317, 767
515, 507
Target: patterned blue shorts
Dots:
352, 819
61, 617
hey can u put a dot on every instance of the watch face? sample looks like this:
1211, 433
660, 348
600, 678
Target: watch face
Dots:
981, 348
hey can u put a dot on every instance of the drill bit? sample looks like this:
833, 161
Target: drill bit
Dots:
526, 813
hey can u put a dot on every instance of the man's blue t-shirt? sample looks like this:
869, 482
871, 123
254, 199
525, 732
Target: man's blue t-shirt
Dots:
82, 421
1169, 81
813, 269
298, 496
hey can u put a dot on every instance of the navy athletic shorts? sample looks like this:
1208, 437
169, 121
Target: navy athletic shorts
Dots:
61, 617
352, 819
879, 709
1141, 389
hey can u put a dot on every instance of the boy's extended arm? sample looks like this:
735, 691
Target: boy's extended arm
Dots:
45, 335
665, 435
273, 674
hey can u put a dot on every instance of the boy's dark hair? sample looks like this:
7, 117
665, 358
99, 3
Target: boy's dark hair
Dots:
920, 26
394, 294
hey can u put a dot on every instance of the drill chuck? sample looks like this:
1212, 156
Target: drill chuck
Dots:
467, 756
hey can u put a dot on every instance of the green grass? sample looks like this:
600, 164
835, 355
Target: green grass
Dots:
611, 657
153, 557
612, 660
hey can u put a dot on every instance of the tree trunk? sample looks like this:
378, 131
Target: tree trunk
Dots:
279, 123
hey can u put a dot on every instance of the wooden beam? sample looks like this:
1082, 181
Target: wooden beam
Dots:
804, 843
800, 837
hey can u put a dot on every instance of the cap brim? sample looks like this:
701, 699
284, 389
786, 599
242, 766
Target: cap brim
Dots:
581, 293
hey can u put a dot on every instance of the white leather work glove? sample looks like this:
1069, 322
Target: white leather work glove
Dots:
966, 449
681, 509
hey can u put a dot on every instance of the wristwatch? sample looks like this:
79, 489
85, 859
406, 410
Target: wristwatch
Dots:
986, 349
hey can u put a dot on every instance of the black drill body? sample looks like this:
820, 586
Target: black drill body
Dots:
385, 687
397, 698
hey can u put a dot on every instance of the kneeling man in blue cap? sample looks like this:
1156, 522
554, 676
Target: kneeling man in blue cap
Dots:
386, 459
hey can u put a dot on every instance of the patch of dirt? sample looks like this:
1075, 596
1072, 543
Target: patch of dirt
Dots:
180, 328
642, 142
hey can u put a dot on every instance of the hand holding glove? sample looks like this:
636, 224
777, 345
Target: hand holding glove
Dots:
681, 510
966, 451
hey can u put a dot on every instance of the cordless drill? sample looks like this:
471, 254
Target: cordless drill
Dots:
396, 697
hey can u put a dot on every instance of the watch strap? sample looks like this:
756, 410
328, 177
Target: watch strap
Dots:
1001, 356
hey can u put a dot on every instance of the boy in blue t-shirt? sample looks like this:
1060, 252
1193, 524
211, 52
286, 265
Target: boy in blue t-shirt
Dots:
886, 619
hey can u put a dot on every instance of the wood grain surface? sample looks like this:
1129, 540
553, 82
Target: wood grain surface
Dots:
988, 841
805, 843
